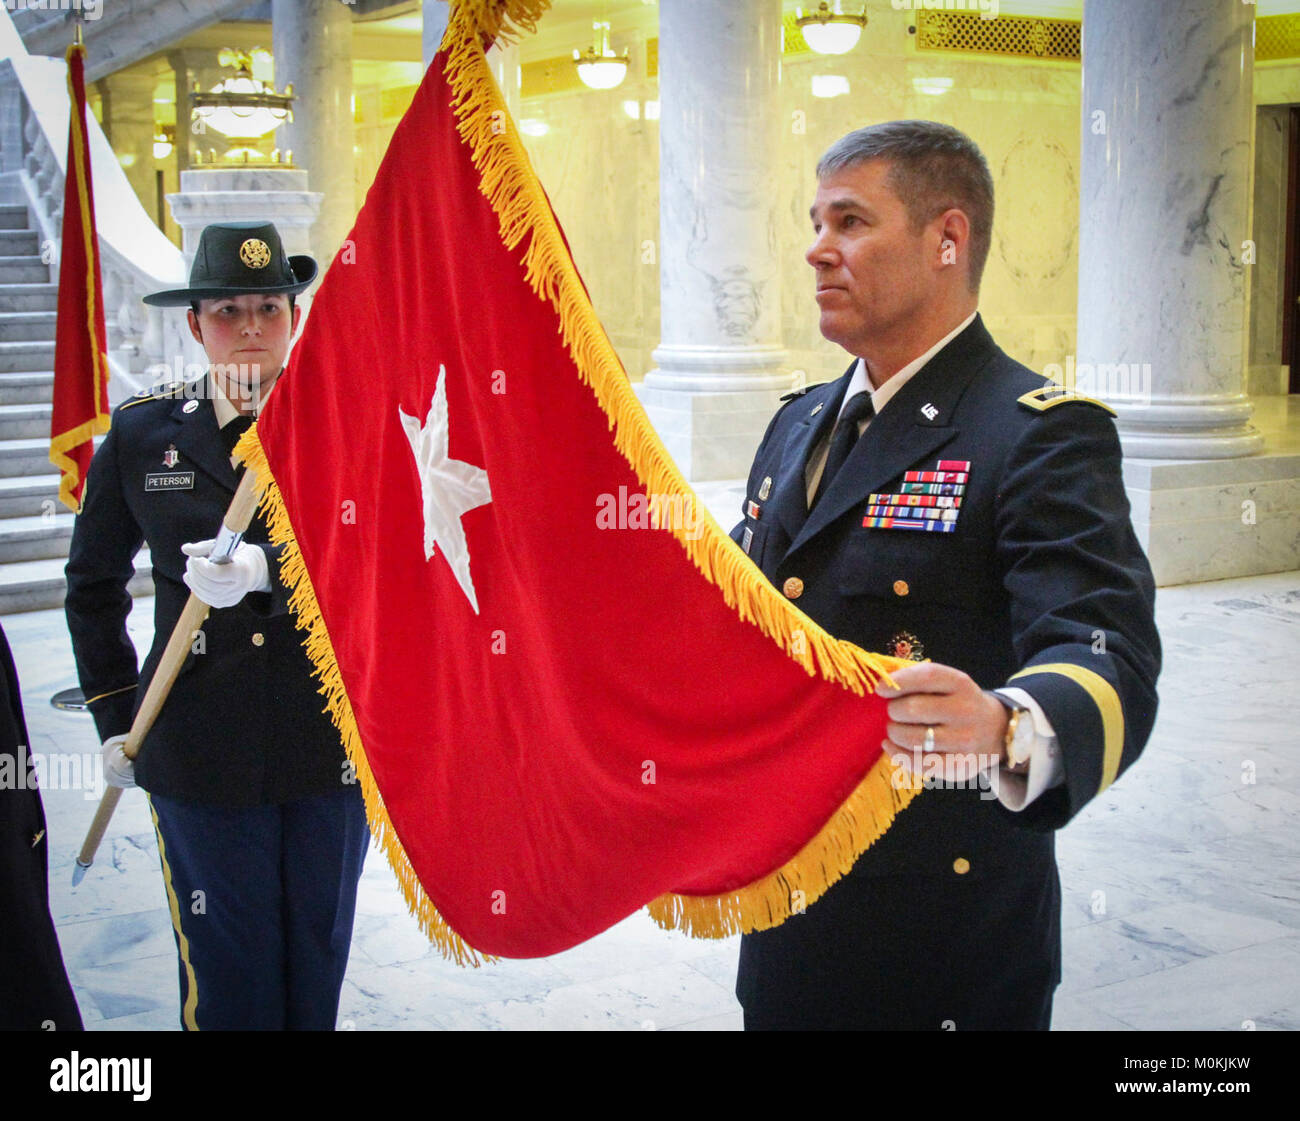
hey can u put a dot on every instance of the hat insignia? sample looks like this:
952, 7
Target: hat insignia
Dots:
255, 253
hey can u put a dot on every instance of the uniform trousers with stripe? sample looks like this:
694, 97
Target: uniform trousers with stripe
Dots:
262, 900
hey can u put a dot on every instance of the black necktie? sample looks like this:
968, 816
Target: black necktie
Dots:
859, 408
232, 430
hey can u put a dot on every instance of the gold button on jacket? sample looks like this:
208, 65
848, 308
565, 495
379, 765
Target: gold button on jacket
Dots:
961, 866
258, 639
793, 587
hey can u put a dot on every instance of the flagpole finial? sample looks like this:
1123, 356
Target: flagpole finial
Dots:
77, 39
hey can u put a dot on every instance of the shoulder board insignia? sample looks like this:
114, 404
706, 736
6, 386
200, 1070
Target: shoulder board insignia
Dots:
1052, 394
161, 393
800, 392
156, 393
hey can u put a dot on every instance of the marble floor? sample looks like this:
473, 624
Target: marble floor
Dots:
1181, 883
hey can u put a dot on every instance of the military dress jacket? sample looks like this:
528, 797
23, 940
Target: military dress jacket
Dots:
244, 724
1030, 575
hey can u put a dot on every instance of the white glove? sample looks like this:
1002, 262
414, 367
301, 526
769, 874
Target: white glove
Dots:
224, 585
118, 769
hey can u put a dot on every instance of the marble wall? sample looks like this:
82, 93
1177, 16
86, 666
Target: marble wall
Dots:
1025, 118
601, 170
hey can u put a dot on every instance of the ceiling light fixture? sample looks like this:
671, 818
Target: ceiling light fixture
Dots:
599, 67
242, 109
829, 31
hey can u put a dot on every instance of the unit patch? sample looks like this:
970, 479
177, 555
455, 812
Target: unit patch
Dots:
905, 645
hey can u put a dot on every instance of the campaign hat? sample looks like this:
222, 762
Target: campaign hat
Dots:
239, 259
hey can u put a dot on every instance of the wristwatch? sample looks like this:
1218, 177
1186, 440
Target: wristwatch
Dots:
1019, 738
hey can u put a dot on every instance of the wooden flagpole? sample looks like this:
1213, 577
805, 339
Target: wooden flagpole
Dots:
233, 525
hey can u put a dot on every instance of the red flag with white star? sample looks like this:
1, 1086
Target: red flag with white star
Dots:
567, 692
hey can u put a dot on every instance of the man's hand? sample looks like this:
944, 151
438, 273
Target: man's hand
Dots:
224, 585
966, 721
118, 769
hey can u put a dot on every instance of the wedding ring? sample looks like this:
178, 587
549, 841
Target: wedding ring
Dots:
929, 739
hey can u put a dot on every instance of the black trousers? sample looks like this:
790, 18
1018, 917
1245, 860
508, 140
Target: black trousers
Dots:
911, 953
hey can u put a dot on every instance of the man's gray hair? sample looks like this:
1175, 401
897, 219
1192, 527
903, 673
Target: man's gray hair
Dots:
933, 167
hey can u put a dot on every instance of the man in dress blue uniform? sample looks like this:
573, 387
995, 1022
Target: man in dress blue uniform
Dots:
941, 501
261, 824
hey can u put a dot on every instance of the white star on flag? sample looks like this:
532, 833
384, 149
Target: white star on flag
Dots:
448, 487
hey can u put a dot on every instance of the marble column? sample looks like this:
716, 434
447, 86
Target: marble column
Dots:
1166, 165
312, 44
129, 125
1165, 208
181, 72
720, 364
435, 14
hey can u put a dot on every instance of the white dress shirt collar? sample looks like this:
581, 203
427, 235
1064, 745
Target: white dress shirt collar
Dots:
221, 404
882, 396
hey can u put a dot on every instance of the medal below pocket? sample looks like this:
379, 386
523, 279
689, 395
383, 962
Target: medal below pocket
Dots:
928, 501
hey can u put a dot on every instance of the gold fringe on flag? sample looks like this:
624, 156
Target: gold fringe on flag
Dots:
509, 184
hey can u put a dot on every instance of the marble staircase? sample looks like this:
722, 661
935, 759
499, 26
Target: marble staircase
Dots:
35, 528
124, 31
